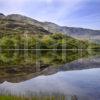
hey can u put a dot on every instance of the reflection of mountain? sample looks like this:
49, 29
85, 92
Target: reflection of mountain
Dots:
84, 84
86, 63
18, 66
47, 64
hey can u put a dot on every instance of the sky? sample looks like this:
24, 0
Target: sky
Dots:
72, 13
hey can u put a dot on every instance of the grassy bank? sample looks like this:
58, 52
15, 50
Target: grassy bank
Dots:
38, 98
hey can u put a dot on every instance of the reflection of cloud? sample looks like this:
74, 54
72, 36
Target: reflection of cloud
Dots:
52, 84
69, 82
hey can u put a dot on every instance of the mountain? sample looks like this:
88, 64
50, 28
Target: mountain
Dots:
9, 25
25, 23
54, 28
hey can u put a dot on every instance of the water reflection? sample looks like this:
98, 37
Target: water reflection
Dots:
17, 66
19, 58
50, 73
84, 85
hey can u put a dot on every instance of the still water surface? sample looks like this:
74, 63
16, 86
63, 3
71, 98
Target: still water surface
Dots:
70, 74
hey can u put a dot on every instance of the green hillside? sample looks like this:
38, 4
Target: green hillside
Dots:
21, 35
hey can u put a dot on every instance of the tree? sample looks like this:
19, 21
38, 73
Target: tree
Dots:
6, 43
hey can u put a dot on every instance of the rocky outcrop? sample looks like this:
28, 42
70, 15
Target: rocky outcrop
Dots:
2, 16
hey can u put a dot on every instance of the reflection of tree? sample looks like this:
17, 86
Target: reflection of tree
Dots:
19, 63
19, 58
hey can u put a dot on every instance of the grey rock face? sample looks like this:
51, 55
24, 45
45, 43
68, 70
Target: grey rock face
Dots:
2, 16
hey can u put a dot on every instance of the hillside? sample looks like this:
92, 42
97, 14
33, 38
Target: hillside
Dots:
8, 26
54, 28
20, 32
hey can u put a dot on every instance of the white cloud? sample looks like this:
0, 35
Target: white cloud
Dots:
17, 5
49, 1
14, 1
21, 2
58, 11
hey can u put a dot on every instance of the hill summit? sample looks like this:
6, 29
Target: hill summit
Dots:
17, 21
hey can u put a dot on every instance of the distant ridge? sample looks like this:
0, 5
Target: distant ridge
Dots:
54, 28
